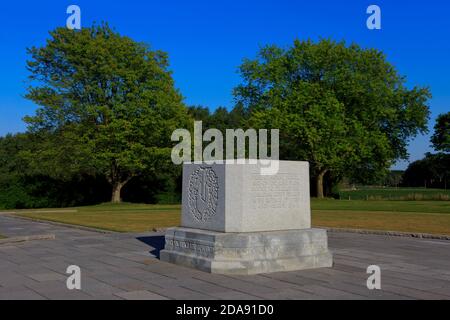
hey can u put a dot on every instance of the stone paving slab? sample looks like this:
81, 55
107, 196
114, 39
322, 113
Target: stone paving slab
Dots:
140, 295
126, 266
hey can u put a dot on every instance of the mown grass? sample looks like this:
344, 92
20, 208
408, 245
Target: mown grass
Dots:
415, 222
383, 205
114, 217
407, 216
403, 194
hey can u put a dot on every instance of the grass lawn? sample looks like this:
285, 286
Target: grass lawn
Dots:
115, 217
371, 193
434, 223
383, 205
407, 216
2, 237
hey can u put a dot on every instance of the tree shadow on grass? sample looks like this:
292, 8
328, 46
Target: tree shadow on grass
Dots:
156, 242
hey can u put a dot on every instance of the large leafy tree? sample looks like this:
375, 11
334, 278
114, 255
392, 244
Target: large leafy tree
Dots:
441, 137
343, 108
108, 106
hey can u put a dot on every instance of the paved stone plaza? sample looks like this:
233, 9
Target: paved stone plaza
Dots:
125, 266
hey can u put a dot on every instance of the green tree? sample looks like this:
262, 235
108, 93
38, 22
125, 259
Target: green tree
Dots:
11, 167
344, 109
199, 113
394, 178
108, 106
441, 137
433, 171
221, 118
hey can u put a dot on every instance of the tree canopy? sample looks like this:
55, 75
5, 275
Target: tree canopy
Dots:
431, 172
108, 106
345, 109
441, 138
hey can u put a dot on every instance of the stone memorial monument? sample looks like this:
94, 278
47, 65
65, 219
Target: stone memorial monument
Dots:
237, 221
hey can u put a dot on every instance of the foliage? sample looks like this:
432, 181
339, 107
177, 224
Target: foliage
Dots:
431, 172
21, 187
221, 118
441, 137
343, 108
108, 106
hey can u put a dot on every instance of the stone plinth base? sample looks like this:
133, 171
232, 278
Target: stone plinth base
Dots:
247, 253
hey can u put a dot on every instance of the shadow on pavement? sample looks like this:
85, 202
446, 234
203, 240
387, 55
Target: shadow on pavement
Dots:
156, 242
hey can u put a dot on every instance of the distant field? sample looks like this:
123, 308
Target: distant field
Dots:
419, 194
383, 205
406, 216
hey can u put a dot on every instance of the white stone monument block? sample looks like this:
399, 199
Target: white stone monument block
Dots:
236, 220
238, 198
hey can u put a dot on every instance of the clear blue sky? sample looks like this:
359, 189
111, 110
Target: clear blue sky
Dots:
207, 40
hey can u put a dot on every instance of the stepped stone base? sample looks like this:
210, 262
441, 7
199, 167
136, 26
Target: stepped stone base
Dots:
247, 253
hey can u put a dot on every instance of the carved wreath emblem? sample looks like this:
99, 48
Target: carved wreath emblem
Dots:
203, 193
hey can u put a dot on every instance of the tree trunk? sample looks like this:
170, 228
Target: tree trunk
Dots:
319, 183
116, 191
